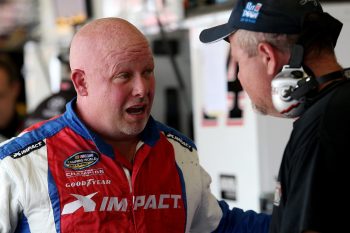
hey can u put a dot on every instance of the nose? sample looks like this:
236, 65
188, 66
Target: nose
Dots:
140, 86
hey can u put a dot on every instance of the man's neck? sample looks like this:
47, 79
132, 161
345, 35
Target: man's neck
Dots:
126, 148
324, 65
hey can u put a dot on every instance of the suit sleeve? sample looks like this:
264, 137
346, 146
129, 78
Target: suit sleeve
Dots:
228, 220
10, 207
238, 221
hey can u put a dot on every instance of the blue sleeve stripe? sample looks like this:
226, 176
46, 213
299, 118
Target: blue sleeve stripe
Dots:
22, 226
183, 188
55, 201
238, 221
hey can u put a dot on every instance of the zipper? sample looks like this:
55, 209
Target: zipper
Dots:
128, 177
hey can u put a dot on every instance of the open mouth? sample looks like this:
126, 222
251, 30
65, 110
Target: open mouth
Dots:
136, 110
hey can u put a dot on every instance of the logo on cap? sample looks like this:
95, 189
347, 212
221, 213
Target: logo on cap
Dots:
251, 12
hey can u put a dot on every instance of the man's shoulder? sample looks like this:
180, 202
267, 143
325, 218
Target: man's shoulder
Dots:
342, 93
337, 108
176, 136
29, 140
21, 145
332, 101
17, 149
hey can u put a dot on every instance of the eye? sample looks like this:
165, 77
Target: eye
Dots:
124, 75
148, 72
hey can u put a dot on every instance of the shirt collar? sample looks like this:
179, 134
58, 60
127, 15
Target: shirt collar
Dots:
150, 135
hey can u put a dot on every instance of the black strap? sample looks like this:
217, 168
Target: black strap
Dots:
296, 56
331, 76
308, 86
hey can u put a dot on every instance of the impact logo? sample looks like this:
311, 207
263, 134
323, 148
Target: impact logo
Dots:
162, 201
28, 149
81, 160
82, 201
179, 140
251, 12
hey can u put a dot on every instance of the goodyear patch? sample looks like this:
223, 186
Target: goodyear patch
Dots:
179, 140
81, 160
28, 149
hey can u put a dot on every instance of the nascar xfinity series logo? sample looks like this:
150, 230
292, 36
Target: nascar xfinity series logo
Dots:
251, 12
162, 201
81, 160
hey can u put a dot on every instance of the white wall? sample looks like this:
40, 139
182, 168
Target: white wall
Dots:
166, 78
341, 11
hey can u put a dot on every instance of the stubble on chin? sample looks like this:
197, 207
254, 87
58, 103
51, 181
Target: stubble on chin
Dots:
263, 111
133, 129
260, 110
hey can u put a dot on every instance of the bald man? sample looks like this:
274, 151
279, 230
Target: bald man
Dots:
106, 165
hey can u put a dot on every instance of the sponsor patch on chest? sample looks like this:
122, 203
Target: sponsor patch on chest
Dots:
81, 160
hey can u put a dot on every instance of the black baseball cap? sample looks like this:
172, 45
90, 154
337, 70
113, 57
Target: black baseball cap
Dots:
269, 16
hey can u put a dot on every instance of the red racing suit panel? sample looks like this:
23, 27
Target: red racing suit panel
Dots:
102, 191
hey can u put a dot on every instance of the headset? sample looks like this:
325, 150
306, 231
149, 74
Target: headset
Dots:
292, 79
295, 85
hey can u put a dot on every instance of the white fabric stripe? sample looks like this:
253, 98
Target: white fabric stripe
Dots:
203, 211
30, 179
127, 174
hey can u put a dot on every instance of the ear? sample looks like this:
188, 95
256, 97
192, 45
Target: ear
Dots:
79, 80
270, 57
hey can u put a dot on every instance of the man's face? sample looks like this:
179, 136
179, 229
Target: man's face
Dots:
254, 77
8, 96
121, 90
